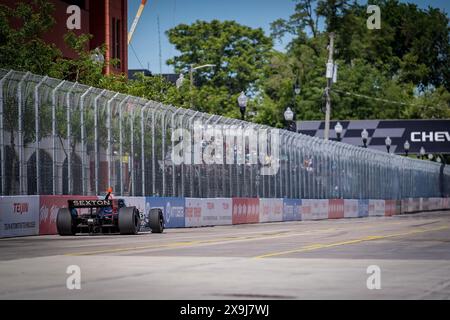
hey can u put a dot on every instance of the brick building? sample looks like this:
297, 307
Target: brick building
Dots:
106, 20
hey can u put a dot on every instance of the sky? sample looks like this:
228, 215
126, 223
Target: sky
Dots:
253, 13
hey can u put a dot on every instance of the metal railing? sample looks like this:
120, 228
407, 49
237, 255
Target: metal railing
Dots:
58, 137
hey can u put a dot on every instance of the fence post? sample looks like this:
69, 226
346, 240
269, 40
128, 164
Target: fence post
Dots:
2, 135
96, 160
191, 171
21, 142
108, 127
184, 158
54, 135
37, 133
69, 141
83, 142
143, 147
172, 125
153, 150
121, 143
131, 159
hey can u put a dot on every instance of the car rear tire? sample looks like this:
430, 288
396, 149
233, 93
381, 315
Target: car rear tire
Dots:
64, 223
129, 220
156, 220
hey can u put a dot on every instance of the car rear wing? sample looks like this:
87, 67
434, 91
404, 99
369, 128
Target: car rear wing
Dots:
89, 203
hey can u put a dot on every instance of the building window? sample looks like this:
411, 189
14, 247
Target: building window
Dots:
116, 40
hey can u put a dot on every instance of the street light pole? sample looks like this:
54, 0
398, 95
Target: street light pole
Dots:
364, 136
242, 101
406, 146
422, 152
329, 76
180, 80
289, 117
338, 128
388, 143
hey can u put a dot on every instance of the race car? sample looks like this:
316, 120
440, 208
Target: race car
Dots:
105, 216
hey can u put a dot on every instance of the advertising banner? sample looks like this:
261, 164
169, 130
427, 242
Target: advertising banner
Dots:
48, 211
292, 210
335, 208
216, 211
245, 210
193, 212
389, 207
435, 203
19, 216
270, 210
416, 204
398, 207
425, 204
376, 208
172, 208
314, 209
351, 208
405, 205
445, 203
363, 208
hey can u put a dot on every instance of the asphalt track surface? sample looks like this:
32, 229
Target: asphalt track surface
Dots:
287, 260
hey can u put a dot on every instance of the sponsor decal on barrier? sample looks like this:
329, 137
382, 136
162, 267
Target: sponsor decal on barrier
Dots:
335, 209
245, 210
193, 212
363, 208
416, 204
351, 208
48, 211
314, 209
270, 210
425, 204
292, 210
405, 205
216, 211
376, 208
445, 203
19, 216
390, 207
398, 207
172, 208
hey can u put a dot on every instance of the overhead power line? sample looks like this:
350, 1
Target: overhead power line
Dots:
372, 98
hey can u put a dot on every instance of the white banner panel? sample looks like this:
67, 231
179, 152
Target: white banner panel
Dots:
376, 208
19, 216
216, 211
193, 212
314, 209
351, 208
270, 210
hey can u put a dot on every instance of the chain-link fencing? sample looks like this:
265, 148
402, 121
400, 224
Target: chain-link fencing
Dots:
59, 137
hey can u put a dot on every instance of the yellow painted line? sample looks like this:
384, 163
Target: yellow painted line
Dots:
172, 245
263, 235
364, 239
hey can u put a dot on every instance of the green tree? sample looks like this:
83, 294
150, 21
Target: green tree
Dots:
239, 53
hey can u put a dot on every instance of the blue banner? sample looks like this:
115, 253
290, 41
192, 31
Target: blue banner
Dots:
173, 210
292, 209
363, 208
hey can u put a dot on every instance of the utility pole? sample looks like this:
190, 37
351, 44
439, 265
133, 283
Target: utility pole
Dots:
329, 75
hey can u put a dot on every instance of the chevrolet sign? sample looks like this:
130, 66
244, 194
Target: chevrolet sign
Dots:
433, 135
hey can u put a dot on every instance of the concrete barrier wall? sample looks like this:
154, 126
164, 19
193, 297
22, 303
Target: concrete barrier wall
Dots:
36, 215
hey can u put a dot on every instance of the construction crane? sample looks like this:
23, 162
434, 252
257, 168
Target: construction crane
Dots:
136, 20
